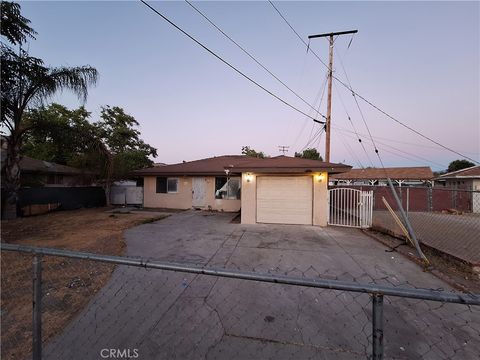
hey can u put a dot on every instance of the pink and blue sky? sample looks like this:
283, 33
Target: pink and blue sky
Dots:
419, 61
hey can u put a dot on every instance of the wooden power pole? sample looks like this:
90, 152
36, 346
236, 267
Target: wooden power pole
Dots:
330, 76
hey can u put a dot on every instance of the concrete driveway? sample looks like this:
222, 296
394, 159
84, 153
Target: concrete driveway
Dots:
165, 315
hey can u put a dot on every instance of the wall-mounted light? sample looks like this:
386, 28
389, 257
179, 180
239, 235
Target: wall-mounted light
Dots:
320, 177
249, 177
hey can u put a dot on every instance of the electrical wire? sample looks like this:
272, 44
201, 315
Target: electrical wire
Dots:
356, 94
351, 152
424, 160
313, 124
353, 126
253, 58
227, 63
321, 91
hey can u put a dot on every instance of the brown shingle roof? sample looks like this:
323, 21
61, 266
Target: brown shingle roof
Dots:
471, 172
242, 163
28, 164
398, 173
286, 164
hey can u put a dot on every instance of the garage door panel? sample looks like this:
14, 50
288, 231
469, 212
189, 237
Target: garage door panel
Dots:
284, 200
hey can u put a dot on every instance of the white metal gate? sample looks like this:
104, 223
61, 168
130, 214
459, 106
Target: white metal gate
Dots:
350, 207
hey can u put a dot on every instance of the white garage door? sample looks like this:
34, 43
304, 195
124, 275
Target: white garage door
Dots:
284, 199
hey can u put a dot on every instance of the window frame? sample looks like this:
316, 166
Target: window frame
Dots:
166, 179
228, 179
177, 180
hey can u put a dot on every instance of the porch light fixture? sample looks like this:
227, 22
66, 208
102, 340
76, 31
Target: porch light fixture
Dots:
319, 177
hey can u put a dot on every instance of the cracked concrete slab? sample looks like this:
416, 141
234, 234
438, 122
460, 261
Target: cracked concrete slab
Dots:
168, 315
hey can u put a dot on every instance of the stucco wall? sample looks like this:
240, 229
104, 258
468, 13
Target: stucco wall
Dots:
320, 193
219, 204
180, 200
320, 199
249, 199
183, 198
476, 184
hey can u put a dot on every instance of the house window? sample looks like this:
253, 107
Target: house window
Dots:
167, 185
172, 185
161, 185
227, 188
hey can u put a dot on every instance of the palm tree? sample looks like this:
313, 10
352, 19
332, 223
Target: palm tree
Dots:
26, 83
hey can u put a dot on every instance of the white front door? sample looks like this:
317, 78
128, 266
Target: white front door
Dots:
199, 187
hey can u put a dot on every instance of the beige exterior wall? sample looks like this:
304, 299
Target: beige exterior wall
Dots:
219, 204
320, 199
320, 194
249, 199
476, 184
183, 198
179, 200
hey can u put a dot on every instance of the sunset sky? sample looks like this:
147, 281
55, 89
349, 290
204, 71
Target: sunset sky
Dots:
418, 61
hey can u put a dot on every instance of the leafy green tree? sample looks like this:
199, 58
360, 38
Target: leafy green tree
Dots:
15, 27
67, 137
310, 153
246, 150
119, 133
58, 134
27, 83
459, 165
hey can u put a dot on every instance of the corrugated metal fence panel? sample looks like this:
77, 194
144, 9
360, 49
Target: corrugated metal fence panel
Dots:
126, 195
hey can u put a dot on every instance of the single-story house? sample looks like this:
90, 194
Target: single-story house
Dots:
421, 175
466, 179
34, 172
283, 190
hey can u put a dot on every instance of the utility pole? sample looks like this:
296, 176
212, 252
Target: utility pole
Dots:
283, 149
330, 76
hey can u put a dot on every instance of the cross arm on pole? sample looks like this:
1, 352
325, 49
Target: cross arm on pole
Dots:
333, 34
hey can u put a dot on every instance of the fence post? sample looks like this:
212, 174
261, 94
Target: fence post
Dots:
377, 327
430, 198
408, 201
37, 308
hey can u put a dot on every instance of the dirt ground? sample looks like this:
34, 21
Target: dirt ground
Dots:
67, 284
453, 271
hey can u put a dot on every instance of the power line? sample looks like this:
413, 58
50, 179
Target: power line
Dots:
350, 151
321, 91
354, 93
318, 133
227, 63
354, 128
312, 140
253, 58
409, 227
296, 33
424, 160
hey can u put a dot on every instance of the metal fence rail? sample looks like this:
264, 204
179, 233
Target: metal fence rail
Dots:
377, 292
439, 216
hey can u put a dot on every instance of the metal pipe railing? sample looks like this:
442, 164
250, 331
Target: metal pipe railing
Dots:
37, 308
377, 292
423, 294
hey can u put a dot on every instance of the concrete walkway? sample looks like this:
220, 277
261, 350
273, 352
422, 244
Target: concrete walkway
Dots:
165, 315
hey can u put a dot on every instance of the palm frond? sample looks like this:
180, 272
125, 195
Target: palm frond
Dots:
76, 79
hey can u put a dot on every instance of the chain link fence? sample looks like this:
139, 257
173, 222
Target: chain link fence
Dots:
89, 306
445, 219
